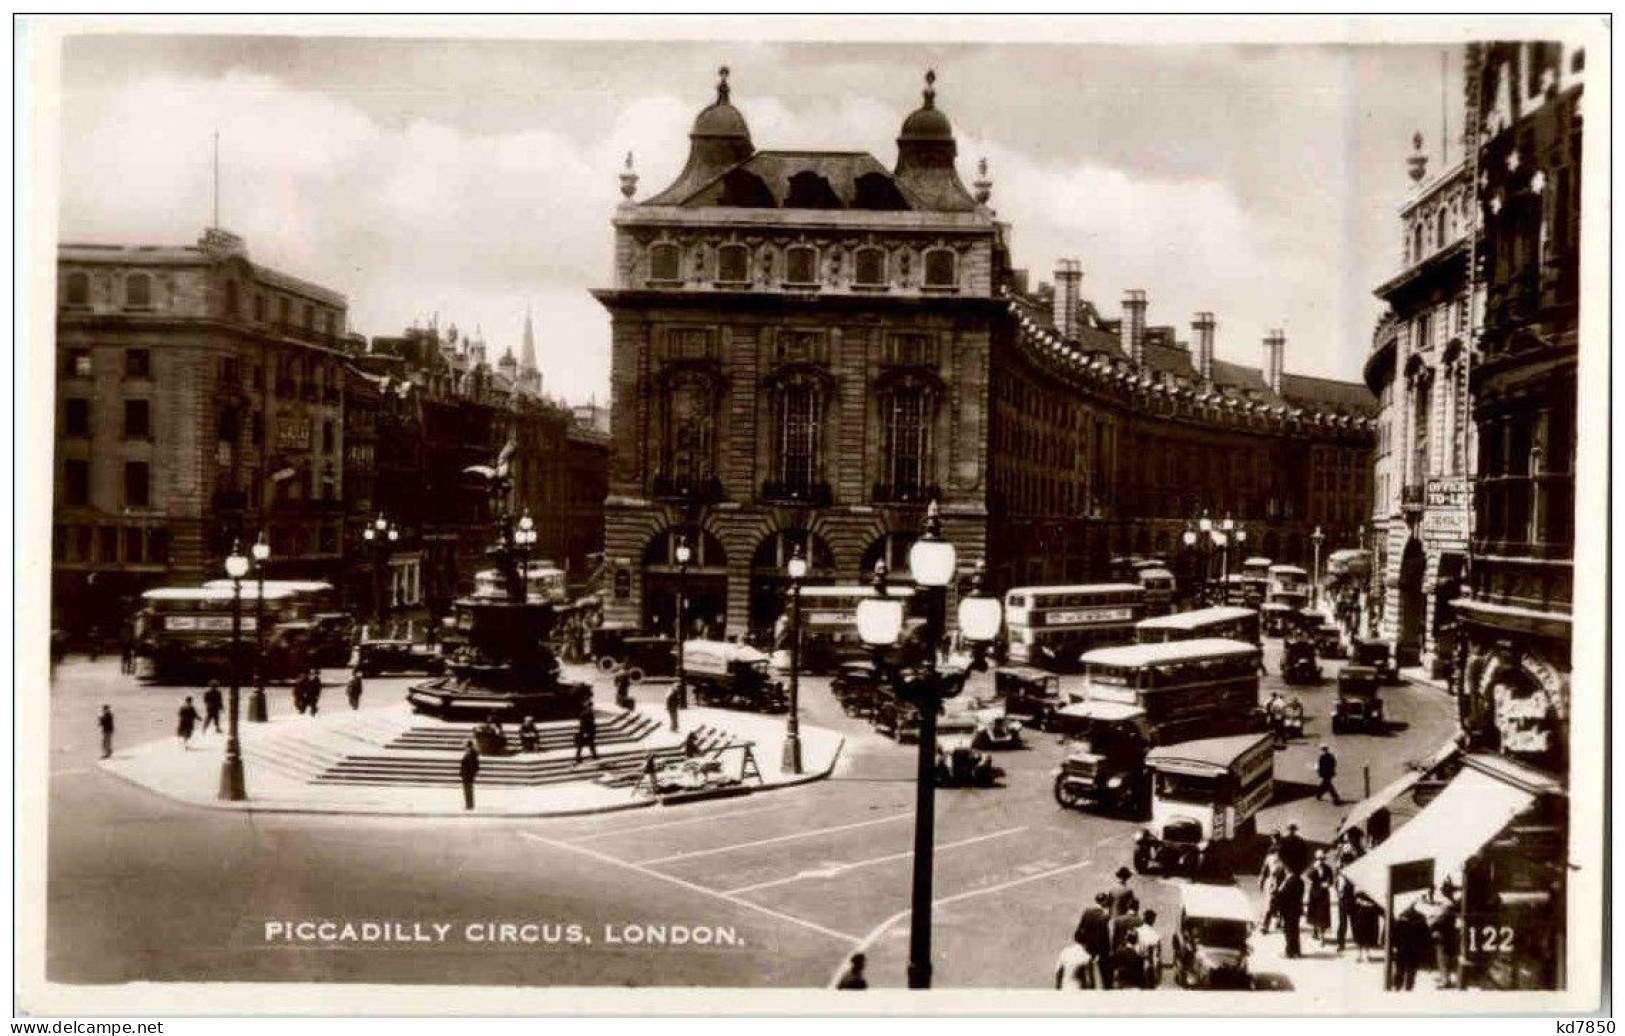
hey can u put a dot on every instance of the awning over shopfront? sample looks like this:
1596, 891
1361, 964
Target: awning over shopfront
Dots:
1470, 811
1386, 796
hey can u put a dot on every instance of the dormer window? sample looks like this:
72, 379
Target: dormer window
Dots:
138, 291
870, 268
733, 264
665, 263
76, 292
940, 269
801, 265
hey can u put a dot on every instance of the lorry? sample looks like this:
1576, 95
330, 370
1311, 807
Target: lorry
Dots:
734, 676
1205, 797
1140, 697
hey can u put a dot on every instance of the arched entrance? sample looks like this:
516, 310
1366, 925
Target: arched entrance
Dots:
1412, 602
1446, 588
703, 585
769, 585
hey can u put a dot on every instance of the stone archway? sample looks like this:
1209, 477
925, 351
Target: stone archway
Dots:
703, 585
769, 582
1413, 565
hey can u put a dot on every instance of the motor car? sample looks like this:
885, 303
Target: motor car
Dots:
1359, 701
1210, 941
1298, 662
1031, 695
375, 657
857, 688
1377, 654
960, 763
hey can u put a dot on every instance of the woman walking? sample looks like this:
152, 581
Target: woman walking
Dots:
187, 723
1319, 907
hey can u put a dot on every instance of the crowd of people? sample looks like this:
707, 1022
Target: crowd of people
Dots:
1115, 945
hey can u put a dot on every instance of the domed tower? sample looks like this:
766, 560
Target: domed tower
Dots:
719, 141
925, 156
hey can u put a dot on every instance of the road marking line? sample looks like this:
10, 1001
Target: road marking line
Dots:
675, 823
842, 868
773, 841
880, 929
691, 886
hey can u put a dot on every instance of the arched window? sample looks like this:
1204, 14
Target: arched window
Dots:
940, 269
665, 263
733, 264
1442, 231
870, 267
1416, 245
138, 291
76, 292
1421, 410
801, 265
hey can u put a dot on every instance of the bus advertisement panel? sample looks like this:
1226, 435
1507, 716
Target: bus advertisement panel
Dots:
1055, 625
1228, 623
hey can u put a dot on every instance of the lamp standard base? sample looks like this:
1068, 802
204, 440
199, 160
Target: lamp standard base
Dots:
233, 788
919, 975
257, 711
791, 762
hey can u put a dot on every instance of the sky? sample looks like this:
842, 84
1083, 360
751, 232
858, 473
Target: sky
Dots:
471, 178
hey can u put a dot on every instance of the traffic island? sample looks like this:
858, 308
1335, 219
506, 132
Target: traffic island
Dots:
390, 761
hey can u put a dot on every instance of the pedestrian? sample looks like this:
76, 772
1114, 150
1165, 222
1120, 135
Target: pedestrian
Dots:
1367, 927
299, 694
691, 744
1290, 908
1094, 933
1122, 901
1326, 767
852, 977
313, 692
1072, 967
623, 689
188, 721
1126, 960
1294, 851
468, 769
127, 658
1347, 905
530, 738
1270, 876
1148, 941
1446, 928
352, 690
1412, 944
674, 700
587, 732
1319, 906
212, 704
105, 722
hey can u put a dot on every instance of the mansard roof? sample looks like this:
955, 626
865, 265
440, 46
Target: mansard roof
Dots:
789, 179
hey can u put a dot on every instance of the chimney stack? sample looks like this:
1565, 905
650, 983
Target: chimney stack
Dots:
1203, 325
1068, 293
1132, 330
1274, 356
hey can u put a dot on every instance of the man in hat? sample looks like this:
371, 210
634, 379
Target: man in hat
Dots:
1294, 851
1094, 935
468, 768
213, 702
1121, 901
1326, 767
105, 722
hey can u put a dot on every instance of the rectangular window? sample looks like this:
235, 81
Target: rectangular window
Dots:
871, 267
137, 487
137, 363
76, 363
665, 262
906, 441
107, 544
76, 482
133, 540
733, 264
329, 437
83, 542
137, 419
800, 420
939, 268
76, 418
158, 546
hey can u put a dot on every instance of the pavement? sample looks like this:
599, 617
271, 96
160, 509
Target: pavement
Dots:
273, 752
785, 887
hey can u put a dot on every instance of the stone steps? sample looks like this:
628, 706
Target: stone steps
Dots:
613, 728
409, 769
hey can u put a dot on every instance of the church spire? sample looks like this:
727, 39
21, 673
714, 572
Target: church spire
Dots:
527, 349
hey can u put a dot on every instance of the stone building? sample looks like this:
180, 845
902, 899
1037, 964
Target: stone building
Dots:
1418, 368
199, 400
809, 347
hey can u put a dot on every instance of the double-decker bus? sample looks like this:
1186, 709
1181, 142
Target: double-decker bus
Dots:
1055, 625
1226, 623
316, 626
829, 625
1187, 688
1288, 579
185, 631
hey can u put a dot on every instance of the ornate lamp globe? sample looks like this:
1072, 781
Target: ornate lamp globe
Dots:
526, 523
369, 534
1205, 524
261, 550
796, 566
880, 619
931, 560
1241, 535
1190, 537
979, 612
236, 564
684, 553
381, 523
1229, 524
1220, 539
394, 534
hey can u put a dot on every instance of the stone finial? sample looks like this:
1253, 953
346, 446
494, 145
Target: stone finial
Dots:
629, 179
983, 185
722, 85
930, 88
1418, 162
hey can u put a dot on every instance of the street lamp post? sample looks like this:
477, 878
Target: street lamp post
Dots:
524, 538
232, 785
1317, 537
932, 563
684, 554
796, 567
382, 535
257, 711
